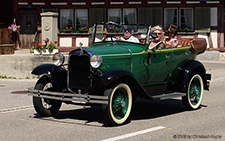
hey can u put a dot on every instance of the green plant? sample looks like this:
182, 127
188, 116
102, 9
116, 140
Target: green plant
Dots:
83, 30
114, 29
66, 30
47, 46
184, 29
52, 46
27, 77
6, 77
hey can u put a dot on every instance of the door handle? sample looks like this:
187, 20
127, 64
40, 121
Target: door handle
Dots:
168, 56
186, 53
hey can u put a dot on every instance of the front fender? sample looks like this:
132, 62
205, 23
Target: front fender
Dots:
44, 69
58, 76
123, 76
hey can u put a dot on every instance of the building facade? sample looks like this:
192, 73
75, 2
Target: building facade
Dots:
201, 18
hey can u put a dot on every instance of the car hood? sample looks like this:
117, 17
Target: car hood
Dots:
115, 50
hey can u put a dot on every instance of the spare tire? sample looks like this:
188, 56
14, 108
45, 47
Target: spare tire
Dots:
198, 45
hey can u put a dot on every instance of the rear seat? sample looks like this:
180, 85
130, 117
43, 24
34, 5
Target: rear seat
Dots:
184, 41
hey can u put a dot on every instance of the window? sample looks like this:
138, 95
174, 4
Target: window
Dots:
170, 17
183, 19
129, 16
66, 18
114, 15
186, 18
81, 18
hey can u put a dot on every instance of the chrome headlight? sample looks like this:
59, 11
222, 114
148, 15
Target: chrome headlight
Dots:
96, 61
58, 59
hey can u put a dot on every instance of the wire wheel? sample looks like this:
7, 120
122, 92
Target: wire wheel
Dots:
119, 105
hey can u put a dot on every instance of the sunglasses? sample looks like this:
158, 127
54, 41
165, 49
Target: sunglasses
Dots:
127, 31
157, 33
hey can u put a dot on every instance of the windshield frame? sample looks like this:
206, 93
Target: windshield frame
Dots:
147, 34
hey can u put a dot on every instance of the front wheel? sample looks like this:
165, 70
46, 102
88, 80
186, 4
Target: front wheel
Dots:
118, 109
194, 95
43, 106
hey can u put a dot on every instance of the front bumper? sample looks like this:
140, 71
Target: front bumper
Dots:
72, 97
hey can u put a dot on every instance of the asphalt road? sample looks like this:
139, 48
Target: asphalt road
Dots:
149, 120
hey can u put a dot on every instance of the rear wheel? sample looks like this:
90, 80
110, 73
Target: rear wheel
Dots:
119, 105
194, 95
43, 106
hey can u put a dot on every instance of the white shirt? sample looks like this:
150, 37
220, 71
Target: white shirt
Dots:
131, 39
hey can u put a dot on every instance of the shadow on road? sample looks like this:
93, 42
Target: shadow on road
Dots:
142, 109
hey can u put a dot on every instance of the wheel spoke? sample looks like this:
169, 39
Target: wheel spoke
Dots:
119, 105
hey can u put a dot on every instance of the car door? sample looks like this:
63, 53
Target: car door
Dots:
159, 66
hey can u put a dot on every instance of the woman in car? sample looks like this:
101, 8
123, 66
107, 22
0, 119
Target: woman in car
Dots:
171, 41
157, 34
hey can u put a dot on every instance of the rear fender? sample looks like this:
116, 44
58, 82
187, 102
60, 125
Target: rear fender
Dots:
191, 68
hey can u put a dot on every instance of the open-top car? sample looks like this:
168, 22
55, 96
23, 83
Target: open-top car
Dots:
113, 73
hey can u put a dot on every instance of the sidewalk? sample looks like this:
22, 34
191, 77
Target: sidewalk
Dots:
212, 56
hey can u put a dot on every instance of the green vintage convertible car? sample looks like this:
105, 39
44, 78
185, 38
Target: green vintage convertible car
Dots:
114, 73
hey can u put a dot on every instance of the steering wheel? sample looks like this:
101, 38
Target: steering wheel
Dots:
113, 38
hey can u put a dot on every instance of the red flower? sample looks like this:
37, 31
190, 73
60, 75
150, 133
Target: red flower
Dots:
37, 42
39, 46
46, 41
50, 45
32, 43
70, 27
66, 27
56, 42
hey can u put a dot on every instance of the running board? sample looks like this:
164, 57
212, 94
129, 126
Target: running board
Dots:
169, 96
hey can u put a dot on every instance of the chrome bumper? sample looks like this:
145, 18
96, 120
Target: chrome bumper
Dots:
72, 97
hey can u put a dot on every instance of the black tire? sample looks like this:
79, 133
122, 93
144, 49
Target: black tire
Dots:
194, 93
43, 106
118, 109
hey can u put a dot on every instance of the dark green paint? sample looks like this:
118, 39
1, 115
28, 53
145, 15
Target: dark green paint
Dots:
164, 67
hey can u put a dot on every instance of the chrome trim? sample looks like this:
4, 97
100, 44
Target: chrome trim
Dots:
131, 59
147, 36
72, 97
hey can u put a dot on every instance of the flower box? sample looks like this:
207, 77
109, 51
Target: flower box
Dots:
45, 52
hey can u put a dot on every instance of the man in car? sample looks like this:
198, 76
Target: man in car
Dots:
128, 36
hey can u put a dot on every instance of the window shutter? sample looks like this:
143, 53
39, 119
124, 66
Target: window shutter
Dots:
152, 16
97, 15
202, 19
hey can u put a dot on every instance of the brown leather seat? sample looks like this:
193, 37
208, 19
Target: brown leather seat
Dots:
184, 41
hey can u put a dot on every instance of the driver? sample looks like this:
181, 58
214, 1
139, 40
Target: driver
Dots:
128, 36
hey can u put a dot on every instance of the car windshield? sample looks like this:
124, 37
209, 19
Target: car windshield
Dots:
122, 33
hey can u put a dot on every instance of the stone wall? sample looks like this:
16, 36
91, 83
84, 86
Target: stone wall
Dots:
21, 66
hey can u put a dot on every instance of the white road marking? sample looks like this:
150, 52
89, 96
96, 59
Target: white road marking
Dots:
218, 79
135, 133
15, 109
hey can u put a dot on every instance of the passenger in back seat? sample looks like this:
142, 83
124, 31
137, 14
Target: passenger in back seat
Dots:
157, 34
171, 41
